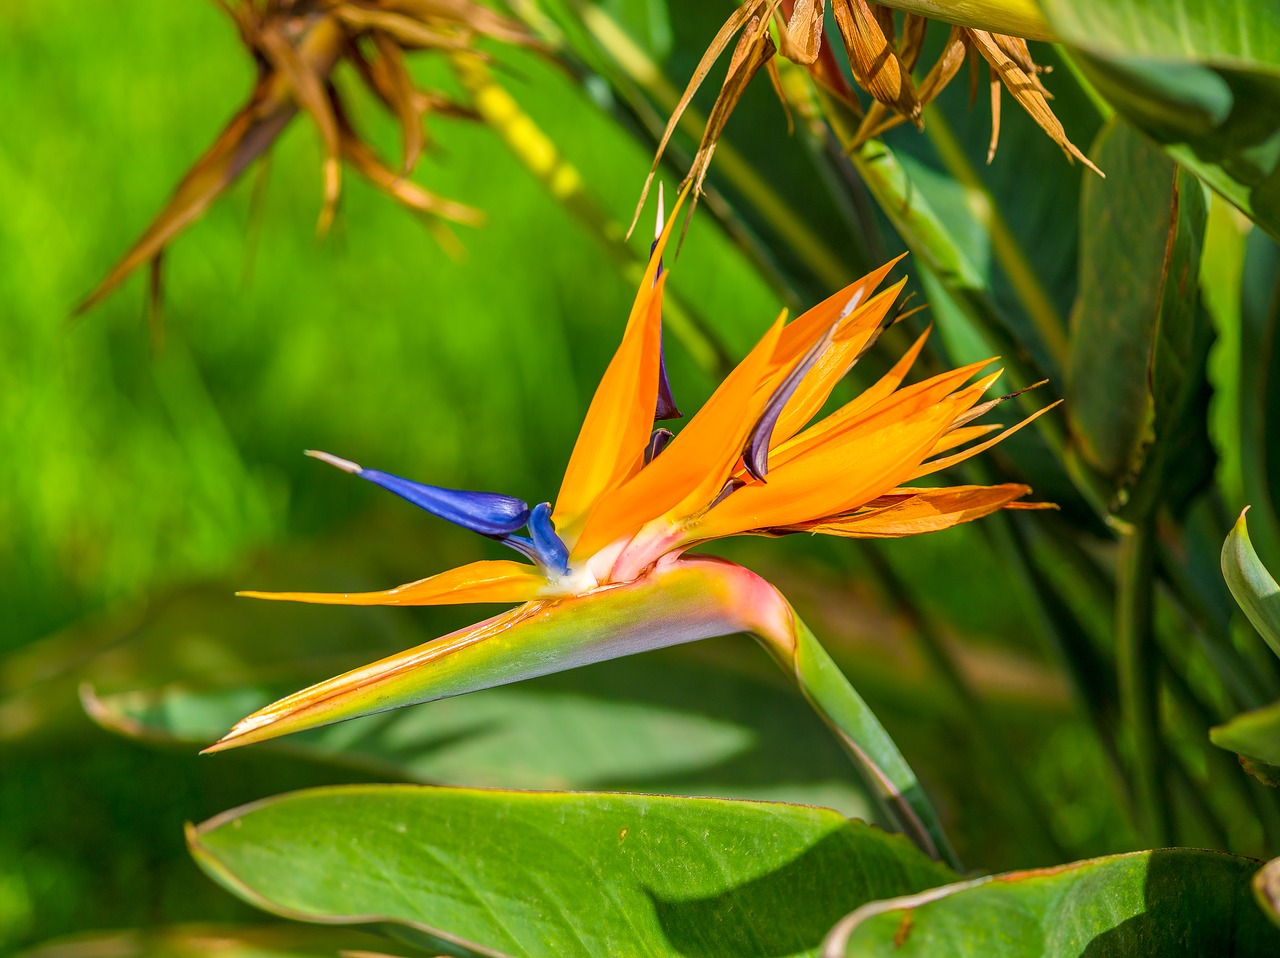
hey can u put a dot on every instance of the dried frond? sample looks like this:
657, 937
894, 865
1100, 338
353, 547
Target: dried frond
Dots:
883, 52
297, 46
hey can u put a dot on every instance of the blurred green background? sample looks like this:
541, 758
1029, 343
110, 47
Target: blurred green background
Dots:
143, 485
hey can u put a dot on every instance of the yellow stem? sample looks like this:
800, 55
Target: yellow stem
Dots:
1018, 18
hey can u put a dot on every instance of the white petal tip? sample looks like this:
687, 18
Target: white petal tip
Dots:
346, 465
661, 218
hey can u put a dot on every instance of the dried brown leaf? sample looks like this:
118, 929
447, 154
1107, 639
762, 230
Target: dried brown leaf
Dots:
721, 40
408, 32
246, 137
474, 16
402, 100
754, 49
875, 65
308, 85
1026, 92
801, 36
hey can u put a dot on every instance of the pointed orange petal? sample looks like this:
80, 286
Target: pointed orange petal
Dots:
947, 461
696, 464
958, 437
924, 510
611, 442
809, 326
834, 364
859, 416
833, 478
491, 580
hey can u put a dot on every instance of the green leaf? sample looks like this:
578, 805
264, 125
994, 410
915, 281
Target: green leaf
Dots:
672, 721
1254, 735
560, 874
1201, 77
211, 941
1136, 386
1155, 903
1252, 585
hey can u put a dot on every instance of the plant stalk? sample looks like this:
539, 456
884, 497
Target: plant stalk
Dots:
1139, 681
887, 775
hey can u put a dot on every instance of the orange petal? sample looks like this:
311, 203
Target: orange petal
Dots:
696, 464
958, 437
610, 445
947, 461
834, 364
809, 326
831, 479
491, 580
859, 415
924, 510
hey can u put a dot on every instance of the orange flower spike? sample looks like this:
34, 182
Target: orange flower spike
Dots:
613, 436
697, 462
609, 575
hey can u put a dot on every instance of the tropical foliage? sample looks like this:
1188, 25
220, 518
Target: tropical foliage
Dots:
1029, 698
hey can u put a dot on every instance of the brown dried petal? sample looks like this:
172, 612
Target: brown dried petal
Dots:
875, 65
1024, 90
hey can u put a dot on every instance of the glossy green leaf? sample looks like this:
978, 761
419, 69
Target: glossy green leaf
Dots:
1156, 903
533, 874
214, 941
1139, 341
1254, 589
1201, 77
672, 721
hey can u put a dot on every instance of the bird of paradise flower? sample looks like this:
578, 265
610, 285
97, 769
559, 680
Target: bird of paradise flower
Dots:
608, 571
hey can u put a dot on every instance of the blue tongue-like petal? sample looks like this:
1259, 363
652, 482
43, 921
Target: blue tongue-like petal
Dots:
552, 552
488, 513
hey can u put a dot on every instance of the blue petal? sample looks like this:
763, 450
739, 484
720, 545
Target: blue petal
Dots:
553, 555
485, 512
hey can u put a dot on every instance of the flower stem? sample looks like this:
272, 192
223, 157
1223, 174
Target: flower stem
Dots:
888, 776
1019, 18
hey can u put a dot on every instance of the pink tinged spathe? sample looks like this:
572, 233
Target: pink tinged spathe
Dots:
681, 600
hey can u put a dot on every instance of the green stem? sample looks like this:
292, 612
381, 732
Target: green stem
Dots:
1018, 18
887, 775
987, 735
1139, 680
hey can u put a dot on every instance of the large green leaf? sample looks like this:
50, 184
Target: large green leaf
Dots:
560, 874
1136, 386
671, 721
1156, 903
211, 941
1202, 77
